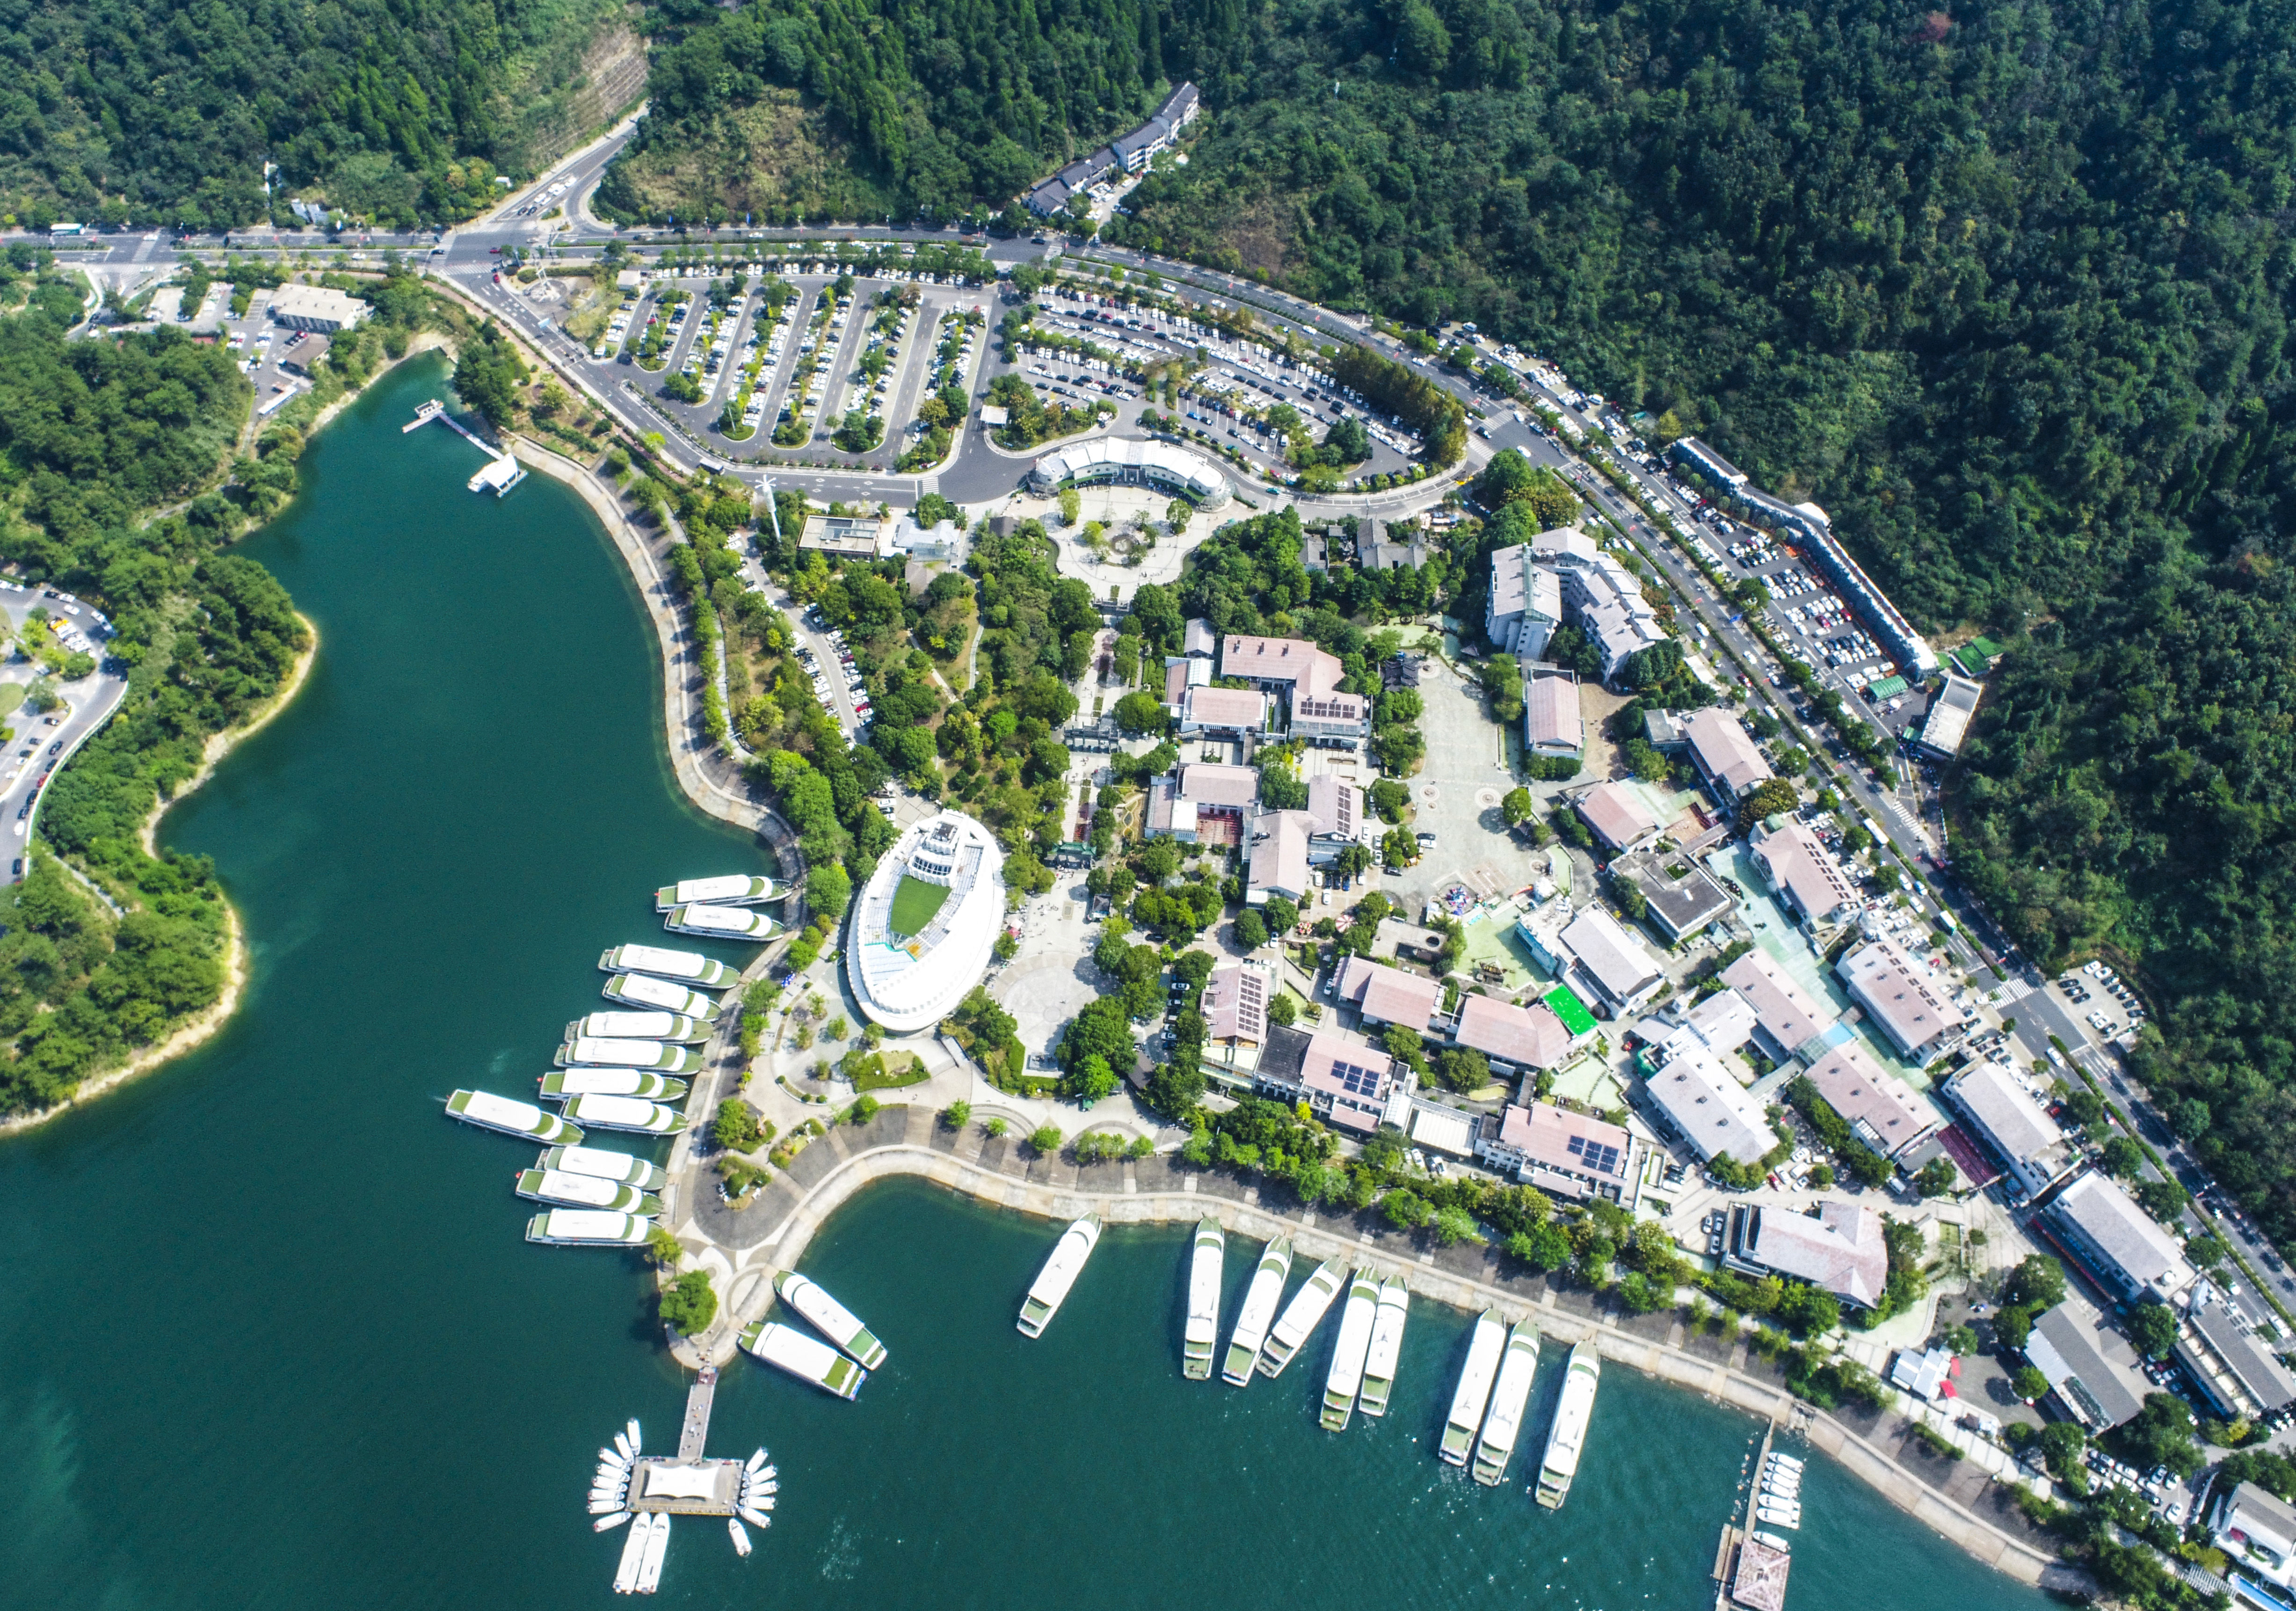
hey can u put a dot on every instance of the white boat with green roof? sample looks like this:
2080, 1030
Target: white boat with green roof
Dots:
489, 1111
584, 1191
638, 1027
1474, 1393
1568, 1441
727, 889
1260, 1303
721, 922
651, 994
831, 1318
625, 1113
611, 1081
1346, 1377
1301, 1316
808, 1359
1201, 1335
1386, 1347
606, 1164
1062, 1267
592, 1051
683, 967
1518, 1369
587, 1228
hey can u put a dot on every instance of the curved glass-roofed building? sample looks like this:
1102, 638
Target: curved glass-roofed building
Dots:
923, 927
1132, 463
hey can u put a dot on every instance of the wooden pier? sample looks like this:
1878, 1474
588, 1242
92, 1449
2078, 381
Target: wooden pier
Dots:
696, 1430
503, 472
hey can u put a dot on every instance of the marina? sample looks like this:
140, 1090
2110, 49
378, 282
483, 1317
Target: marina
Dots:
1473, 1393
606, 1164
489, 1111
625, 1113
1301, 1316
1752, 1561
1062, 1267
689, 968
806, 1358
1253, 1321
721, 922
1386, 1347
1348, 1352
831, 1318
1567, 1441
729, 890
645, 1491
644, 991
584, 1191
591, 1052
610, 1082
1510, 1396
1200, 1333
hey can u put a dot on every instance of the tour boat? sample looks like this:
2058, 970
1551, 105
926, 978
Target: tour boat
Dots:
728, 889
1518, 1367
1568, 1441
657, 1546
584, 1191
587, 1227
685, 967
1259, 1311
489, 1111
721, 922
1200, 1333
634, 1548
809, 1360
1062, 1267
740, 1538
626, 1113
1301, 1316
607, 1522
755, 1519
637, 1443
831, 1318
606, 1164
638, 1027
564, 1082
1346, 1374
591, 1052
647, 993
1474, 1393
1386, 1347
622, 1442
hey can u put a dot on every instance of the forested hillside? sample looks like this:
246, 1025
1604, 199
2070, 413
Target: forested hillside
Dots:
165, 110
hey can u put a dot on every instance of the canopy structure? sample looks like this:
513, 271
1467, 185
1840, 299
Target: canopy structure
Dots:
681, 1482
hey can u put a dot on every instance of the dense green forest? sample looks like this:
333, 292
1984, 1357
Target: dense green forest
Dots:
144, 111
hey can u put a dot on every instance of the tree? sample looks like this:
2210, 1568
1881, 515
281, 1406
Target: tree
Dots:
1463, 1068
1811, 1311
1455, 1225
2062, 1444
1935, 1178
690, 1304
1406, 1209
737, 1127
1045, 1140
1544, 1247
1516, 807
1768, 798
1250, 929
2029, 1384
1282, 1011
2123, 1157
956, 1116
828, 889
1140, 712
2161, 1434
1389, 799
1092, 1079
2153, 1328
2038, 1282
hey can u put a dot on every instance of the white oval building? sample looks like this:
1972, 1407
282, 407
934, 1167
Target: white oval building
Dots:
923, 927
1132, 463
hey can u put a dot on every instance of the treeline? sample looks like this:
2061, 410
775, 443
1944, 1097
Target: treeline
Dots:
160, 111
1439, 419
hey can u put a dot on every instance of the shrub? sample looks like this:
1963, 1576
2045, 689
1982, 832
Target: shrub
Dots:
1045, 1140
956, 1116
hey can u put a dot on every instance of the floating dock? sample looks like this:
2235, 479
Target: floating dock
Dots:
503, 472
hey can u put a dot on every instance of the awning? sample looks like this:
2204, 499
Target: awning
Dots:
681, 1482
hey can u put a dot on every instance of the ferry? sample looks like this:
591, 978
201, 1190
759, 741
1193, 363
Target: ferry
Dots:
831, 1318
610, 1082
685, 967
1474, 1390
1300, 1317
1062, 1267
589, 1051
634, 1547
808, 1359
587, 1227
1347, 1353
1386, 1347
638, 1027
1259, 1302
1568, 1441
607, 1166
584, 1191
1201, 1335
489, 1111
721, 922
657, 1546
625, 1113
659, 995
731, 889
1518, 1367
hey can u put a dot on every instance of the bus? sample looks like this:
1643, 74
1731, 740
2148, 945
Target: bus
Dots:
68, 229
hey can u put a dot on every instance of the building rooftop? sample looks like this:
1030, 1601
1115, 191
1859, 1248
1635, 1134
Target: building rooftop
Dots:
1879, 1105
1683, 905
1245, 709
2133, 1239
1308, 669
2093, 1369
1357, 1079
2253, 1364
1706, 1103
1279, 852
1235, 1002
1211, 783
1724, 750
1550, 703
1904, 1002
1841, 1250
2018, 1127
317, 303
1570, 1143
1800, 868
1529, 1037
1612, 959
1388, 994
1337, 807
1617, 814
1783, 1008
1724, 1020
1950, 712
2256, 1515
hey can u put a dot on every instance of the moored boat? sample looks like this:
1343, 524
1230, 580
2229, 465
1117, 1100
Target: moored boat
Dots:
626, 1576
590, 1051
563, 1082
831, 1318
686, 967
721, 922
1200, 1333
625, 1113
808, 1359
657, 1547
1778, 1515
1473, 1393
489, 1111
1386, 1347
609, 1521
672, 1026
1062, 1267
1518, 1369
1258, 1312
584, 1191
607, 1165
587, 1228
1300, 1316
651, 994
726, 889
740, 1538
1568, 1441
1346, 1376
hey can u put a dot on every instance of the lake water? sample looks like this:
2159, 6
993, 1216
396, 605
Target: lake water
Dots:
274, 1339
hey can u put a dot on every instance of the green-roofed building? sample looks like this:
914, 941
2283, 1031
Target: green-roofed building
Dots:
1888, 688
1571, 1010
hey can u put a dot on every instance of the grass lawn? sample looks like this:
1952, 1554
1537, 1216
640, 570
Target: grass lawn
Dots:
12, 695
915, 903
901, 1068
